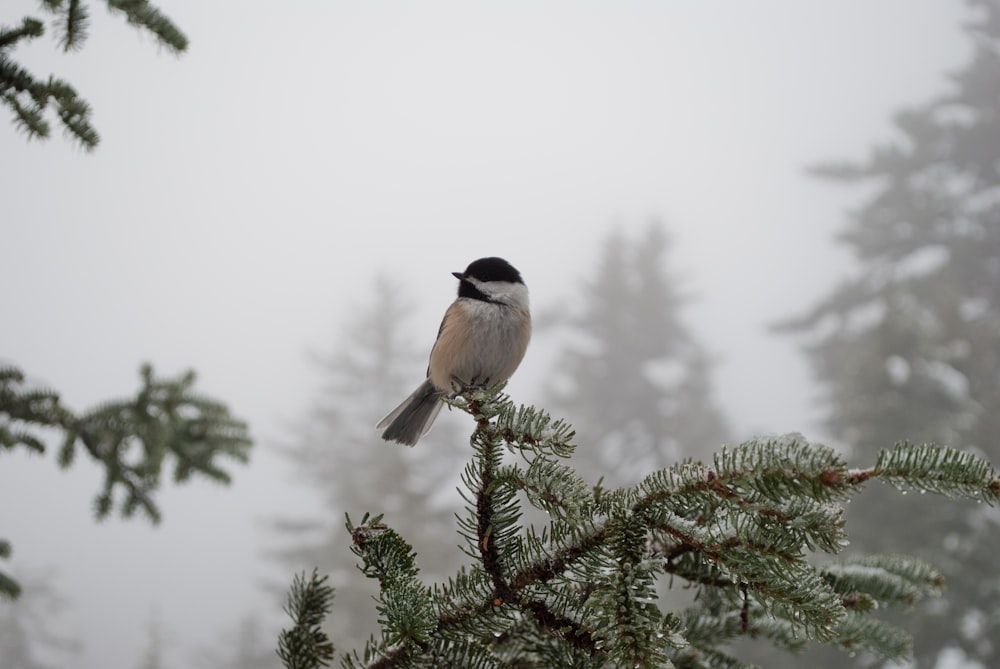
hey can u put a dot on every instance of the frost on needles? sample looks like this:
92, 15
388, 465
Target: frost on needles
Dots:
746, 532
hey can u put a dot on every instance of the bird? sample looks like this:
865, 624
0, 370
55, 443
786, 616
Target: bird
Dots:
481, 341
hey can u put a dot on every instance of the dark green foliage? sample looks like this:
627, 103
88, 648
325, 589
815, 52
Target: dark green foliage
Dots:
305, 645
881, 580
926, 468
132, 439
9, 588
581, 591
142, 14
908, 347
28, 96
405, 610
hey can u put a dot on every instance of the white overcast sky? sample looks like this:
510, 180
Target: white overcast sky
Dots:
245, 194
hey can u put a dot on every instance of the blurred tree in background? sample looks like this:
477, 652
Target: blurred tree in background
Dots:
28, 95
633, 380
28, 636
152, 654
909, 348
249, 646
338, 453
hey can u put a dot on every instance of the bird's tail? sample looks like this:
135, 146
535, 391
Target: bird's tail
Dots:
413, 418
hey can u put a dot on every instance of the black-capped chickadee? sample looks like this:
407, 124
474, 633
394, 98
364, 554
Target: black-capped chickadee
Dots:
481, 341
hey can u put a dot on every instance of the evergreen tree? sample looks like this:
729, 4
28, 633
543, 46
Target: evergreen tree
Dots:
249, 647
634, 380
339, 453
152, 655
909, 347
133, 439
28, 639
580, 589
28, 95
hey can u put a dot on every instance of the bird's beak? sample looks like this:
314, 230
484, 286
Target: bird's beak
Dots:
459, 275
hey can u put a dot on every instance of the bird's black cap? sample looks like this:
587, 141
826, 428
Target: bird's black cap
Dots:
491, 269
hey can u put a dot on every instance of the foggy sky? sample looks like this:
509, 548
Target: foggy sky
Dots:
245, 194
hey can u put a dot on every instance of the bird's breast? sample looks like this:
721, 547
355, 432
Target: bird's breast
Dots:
480, 343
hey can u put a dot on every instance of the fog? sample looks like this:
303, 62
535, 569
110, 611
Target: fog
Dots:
245, 194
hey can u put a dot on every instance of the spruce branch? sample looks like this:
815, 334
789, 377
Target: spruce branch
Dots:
406, 611
305, 645
132, 438
30, 29
9, 588
938, 469
523, 428
144, 15
782, 468
710, 657
29, 96
889, 580
74, 25
627, 622
864, 632
496, 510
581, 589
